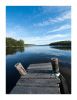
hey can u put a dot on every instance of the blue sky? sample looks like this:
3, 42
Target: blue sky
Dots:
38, 24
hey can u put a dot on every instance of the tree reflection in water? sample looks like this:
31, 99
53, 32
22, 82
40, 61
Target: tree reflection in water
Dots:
61, 47
13, 50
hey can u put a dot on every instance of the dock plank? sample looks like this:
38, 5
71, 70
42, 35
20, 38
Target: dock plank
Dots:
40, 66
39, 75
38, 80
35, 90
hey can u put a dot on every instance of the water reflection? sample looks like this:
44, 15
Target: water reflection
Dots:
13, 50
61, 47
35, 54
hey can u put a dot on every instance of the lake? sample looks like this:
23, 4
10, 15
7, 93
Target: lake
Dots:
35, 54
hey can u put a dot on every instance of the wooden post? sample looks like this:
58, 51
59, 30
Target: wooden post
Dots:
55, 65
20, 69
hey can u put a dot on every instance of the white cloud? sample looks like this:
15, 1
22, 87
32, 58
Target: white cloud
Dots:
60, 28
39, 40
46, 39
63, 17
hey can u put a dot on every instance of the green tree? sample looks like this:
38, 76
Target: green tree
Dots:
14, 43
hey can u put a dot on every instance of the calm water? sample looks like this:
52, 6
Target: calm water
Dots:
35, 54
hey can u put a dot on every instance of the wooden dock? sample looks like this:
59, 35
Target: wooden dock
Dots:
39, 79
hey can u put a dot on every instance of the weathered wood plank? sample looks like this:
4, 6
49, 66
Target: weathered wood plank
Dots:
39, 71
39, 75
38, 82
35, 90
41, 66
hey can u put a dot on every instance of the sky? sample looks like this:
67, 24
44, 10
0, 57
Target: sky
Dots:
38, 24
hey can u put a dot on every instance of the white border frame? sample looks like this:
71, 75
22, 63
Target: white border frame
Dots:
5, 3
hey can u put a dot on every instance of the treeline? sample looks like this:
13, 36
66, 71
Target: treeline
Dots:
10, 42
61, 43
